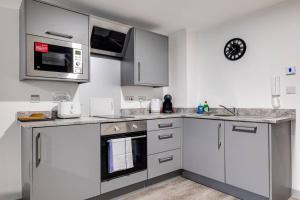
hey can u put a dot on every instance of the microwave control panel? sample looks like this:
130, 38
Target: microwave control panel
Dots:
77, 61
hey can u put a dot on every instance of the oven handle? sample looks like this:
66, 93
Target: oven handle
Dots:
137, 137
59, 34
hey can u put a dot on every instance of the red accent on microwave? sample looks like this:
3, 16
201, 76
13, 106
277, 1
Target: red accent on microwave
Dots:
41, 47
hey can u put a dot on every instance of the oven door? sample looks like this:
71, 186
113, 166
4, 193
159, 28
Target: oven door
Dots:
139, 153
50, 58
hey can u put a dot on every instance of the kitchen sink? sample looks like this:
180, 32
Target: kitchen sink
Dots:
223, 115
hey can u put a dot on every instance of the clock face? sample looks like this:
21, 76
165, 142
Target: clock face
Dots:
235, 49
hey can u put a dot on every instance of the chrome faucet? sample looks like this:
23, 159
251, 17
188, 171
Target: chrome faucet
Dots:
233, 110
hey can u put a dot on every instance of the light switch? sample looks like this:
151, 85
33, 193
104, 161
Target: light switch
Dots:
291, 70
291, 90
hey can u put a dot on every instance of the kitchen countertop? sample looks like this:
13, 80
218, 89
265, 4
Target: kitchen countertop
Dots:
94, 120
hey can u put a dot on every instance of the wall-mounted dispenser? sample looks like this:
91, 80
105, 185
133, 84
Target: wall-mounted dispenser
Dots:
275, 91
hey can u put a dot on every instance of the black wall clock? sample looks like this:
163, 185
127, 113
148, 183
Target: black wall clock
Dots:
235, 49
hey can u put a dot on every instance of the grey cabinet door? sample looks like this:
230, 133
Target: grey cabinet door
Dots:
50, 21
203, 148
151, 59
66, 162
247, 156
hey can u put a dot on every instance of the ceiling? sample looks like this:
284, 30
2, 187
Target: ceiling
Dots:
167, 16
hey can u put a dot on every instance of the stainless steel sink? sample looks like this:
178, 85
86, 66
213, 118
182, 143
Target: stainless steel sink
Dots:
223, 115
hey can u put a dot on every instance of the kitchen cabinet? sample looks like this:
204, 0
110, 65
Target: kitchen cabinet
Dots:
61, 163
146, 60
203, 148
164, 140
163, 124
164, 146
53, 22
247, 156
163, 163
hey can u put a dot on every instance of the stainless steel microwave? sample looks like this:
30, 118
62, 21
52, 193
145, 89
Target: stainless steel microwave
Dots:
51, 59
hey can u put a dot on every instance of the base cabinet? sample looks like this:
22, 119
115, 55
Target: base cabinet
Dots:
65, 163
163, 163
203, 148
253, 160
247, 156
164, 142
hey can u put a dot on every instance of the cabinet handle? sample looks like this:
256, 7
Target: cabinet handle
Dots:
165, 125
139, 71
162, 137
38, 149
219, 137
59, 34
245, 129
167, 159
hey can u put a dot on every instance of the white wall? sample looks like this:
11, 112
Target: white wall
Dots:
273, 40
177, 68
182, 60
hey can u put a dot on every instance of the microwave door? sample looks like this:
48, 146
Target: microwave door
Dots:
55, 59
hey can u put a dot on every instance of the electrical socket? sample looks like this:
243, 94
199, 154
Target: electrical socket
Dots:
35, 98
142, 98
129, 98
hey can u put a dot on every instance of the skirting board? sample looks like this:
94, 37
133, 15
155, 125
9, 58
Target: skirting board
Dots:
296, 194
233, 191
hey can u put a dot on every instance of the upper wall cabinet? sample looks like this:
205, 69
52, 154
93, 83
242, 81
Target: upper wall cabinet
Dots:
146, 60
57, 23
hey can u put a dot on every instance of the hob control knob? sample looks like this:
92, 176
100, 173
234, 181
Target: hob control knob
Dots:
116, 129
134, 126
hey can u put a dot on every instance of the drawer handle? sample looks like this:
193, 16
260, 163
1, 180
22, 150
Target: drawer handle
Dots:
167, 159
163, 137
165, 125
59, 34
245, 129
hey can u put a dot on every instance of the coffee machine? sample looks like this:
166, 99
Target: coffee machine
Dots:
167, 105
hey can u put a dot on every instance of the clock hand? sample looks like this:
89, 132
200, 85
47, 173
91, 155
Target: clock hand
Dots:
232, 50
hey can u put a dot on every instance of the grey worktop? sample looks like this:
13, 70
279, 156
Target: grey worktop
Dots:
93, 120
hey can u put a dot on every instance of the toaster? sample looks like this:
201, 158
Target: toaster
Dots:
68, 109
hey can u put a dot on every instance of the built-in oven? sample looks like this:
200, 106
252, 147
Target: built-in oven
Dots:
136, 131
56, 59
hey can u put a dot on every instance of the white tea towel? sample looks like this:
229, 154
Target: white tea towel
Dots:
128, 151
116, 155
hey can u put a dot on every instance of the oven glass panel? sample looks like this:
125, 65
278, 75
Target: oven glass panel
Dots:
53, 58
139, 153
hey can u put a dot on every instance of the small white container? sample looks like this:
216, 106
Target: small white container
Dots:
155, 106
68, 109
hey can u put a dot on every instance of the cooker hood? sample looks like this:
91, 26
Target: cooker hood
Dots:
108, 38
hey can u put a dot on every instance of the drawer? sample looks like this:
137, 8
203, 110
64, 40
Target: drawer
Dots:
163, 163
164, 140
123, 181
160, 124
57, 23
